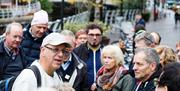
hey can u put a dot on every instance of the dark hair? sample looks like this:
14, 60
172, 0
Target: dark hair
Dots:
139, 27
93, 26
170, 76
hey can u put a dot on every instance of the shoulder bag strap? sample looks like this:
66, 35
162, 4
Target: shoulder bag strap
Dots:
37, 74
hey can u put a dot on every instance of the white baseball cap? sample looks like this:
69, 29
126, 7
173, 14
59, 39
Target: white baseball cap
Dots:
55, 39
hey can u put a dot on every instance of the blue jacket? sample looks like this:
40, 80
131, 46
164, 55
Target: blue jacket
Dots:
31, 46
8, 66
87, 55
141, 21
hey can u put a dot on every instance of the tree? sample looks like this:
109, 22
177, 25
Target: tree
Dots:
46, 5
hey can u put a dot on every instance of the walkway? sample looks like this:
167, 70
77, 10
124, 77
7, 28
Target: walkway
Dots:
170, 33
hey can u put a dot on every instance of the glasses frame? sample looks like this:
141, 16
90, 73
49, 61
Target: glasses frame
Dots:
56, 50
92, 35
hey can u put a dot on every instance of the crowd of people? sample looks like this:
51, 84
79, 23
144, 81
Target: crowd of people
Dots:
82, 62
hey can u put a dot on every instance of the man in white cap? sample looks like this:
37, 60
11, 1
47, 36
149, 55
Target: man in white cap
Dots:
34, 34
52, 51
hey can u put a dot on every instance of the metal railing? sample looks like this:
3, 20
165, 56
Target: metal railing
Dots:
78, 18
128, 15
18, 11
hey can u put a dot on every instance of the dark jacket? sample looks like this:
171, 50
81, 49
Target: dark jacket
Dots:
31, 46
150, 84
125, 83
8, 66
87, 55
80, 83
141, 21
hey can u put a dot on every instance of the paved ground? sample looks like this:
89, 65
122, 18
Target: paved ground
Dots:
169, 32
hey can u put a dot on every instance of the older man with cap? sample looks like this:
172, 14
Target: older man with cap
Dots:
33, 35
52, 51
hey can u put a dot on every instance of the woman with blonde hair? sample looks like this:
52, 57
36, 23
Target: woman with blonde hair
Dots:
167, 54
113, 76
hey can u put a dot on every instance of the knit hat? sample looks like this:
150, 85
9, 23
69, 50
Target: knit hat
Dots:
55, 39
40, 17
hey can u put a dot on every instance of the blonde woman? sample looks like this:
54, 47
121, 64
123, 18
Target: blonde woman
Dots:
166, 54
113, 76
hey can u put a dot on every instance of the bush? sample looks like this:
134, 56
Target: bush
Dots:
146, 16
74, 27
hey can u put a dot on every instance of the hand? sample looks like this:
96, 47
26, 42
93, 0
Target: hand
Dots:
93, 87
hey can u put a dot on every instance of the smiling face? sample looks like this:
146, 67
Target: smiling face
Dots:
38, 30
14, 37
54, 56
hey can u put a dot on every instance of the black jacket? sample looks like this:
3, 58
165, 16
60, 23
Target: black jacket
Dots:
80, 83
150, 84
8, 66
31, 46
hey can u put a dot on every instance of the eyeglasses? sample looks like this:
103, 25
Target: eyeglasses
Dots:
56, 50
147, 38
92, 35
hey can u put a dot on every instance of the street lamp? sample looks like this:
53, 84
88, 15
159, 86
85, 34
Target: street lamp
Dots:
155, 15
121, 8
62, 14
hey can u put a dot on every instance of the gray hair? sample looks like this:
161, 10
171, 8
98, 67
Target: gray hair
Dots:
150, 55
147, 37
9, 26
115, 52
70, 35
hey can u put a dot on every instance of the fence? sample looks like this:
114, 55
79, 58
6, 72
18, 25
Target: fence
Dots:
19, 10
78, 18
110, 15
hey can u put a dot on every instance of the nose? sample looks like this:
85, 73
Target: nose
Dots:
18, 39
42, 30
60, 53
134, 67
106, 60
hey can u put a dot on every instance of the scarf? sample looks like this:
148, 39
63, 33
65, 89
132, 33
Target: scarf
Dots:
107, 79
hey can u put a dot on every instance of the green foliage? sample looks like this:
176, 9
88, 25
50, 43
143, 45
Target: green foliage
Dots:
74, 27
146, 16
46, 5
103, 25
134, 4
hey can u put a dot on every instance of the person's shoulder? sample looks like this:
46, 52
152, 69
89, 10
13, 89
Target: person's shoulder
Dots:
24, 81
1, 46
80, 48
80, 63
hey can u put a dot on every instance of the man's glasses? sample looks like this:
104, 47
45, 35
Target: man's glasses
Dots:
149, 39
92, 35
56, 50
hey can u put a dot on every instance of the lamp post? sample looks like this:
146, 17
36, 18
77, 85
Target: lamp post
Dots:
121, 8
62, 14
154, 11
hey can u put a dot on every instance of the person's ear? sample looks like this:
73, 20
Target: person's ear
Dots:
153, 66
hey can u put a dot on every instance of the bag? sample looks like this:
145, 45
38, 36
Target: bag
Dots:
6, 85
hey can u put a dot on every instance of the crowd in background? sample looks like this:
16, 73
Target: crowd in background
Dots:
83, 62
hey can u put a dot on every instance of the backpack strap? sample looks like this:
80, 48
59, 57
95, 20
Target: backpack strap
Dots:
7, 83
37, 74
